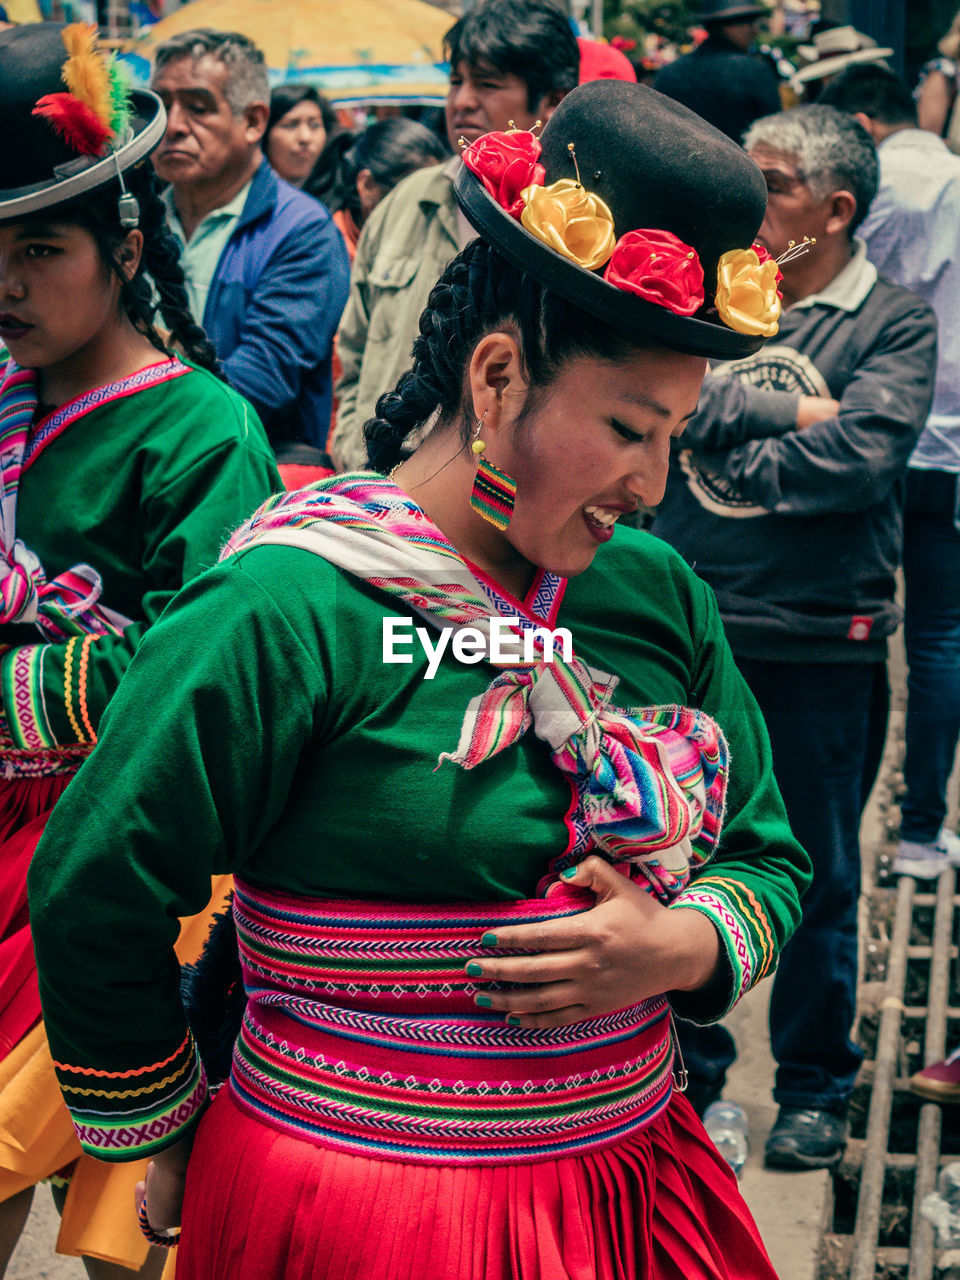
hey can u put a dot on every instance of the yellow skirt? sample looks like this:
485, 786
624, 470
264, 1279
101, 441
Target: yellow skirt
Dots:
37, 1138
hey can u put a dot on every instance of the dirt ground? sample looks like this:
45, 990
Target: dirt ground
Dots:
35, 1258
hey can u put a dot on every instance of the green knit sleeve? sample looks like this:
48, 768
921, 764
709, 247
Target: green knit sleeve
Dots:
196, 756
751, 888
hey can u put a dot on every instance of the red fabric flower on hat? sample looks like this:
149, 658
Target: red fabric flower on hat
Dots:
658, 266
506, 163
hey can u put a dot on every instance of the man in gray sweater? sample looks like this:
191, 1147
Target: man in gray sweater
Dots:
787, 498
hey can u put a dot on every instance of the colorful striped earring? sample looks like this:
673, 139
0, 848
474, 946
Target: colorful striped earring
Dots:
494, 492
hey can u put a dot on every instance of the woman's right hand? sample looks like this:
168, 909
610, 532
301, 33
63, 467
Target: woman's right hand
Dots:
164, 1185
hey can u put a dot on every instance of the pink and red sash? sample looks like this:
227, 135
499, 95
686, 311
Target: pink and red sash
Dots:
361, 1033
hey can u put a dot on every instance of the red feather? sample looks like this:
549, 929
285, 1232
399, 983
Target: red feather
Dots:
79, 127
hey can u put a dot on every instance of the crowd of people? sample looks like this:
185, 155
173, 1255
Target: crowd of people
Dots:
275, 390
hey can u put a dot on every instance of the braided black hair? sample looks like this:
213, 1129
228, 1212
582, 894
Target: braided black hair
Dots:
158, 283
478, 292
161, 261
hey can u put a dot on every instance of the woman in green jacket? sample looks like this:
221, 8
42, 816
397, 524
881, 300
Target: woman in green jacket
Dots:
463, 744
124, 466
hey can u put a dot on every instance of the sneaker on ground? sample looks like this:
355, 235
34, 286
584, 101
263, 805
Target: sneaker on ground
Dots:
940, 1082
806, 1138
926, 861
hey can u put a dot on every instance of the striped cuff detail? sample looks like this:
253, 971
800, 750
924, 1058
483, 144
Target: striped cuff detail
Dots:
740, 931
76, 660
21, 686
125, 1115
753, 913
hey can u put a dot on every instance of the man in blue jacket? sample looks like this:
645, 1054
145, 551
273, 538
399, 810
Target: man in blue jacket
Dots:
267, 271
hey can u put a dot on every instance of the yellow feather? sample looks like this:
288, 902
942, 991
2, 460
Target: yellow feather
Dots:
85, 72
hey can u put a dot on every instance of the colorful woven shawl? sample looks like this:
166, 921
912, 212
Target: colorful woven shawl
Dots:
64, 606
650, 782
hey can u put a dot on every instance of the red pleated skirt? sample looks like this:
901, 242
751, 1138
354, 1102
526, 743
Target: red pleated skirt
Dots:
662, 1205
25, 806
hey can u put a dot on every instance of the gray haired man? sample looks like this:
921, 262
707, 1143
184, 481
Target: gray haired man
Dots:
267, 271
787, 495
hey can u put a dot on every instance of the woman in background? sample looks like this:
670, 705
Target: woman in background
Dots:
301, 123
352, 176
356, 170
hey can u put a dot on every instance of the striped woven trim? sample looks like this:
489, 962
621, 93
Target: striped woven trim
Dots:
361, 1032
376, 951
397, 1115
752, 913
58, 421
743, 926
17, 402
123, 1115
42, 764
541, 603
21, 680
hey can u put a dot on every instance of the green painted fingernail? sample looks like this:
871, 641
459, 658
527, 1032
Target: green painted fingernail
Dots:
488, 940
474, 970
484, 1002
568, 873
513, 1021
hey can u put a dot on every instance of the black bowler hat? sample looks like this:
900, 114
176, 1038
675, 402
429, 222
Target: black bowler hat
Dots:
658, 168
57, 144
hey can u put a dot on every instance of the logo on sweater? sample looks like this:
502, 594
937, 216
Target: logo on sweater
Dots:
775, 368
504, 646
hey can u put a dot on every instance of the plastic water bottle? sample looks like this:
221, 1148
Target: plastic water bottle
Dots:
942, 1207
726, 1125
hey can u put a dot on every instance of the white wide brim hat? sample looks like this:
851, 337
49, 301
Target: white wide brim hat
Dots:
840, 62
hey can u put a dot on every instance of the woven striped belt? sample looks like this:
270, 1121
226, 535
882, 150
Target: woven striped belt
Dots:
361, 1033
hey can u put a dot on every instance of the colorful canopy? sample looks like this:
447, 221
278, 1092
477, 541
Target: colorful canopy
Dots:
353, 50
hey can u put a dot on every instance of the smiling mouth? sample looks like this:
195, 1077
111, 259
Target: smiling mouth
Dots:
600, 521
605, 517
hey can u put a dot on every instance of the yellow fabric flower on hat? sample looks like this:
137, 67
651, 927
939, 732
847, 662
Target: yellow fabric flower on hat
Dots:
570, 220
747, 297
